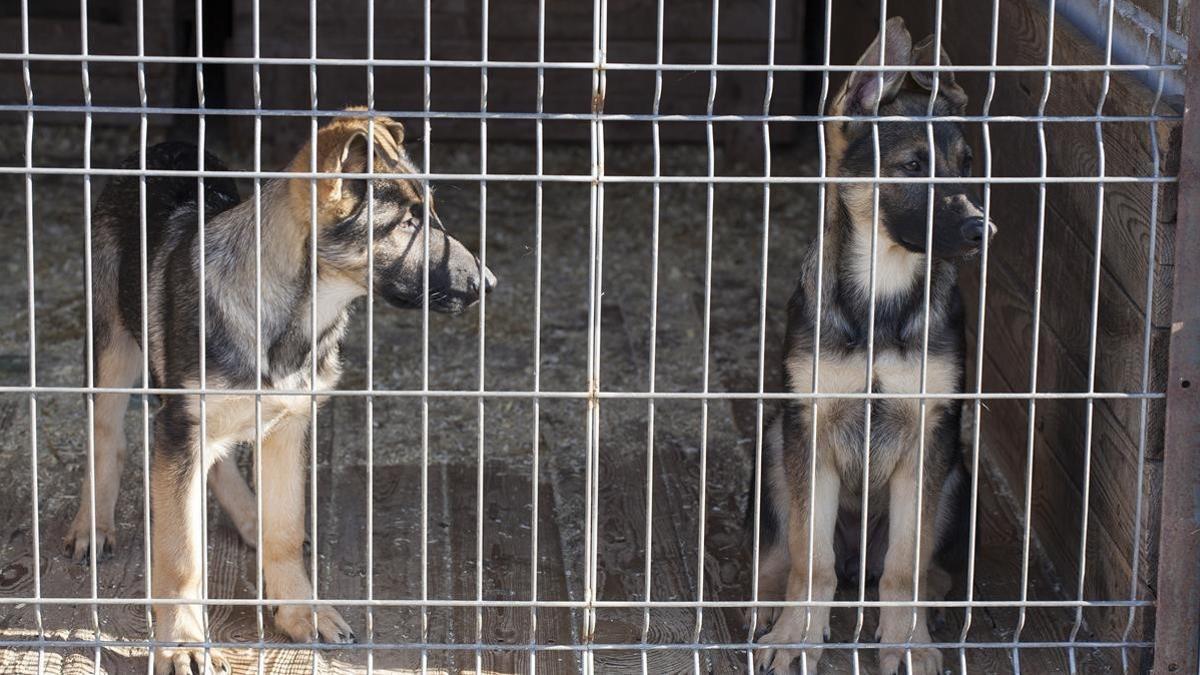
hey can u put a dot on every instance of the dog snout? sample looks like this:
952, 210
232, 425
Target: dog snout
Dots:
489, 282
975, 229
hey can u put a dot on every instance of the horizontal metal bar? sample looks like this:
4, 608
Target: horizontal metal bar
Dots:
587, 178
577, 65
591, 646
569, 117
627, 395
607, 604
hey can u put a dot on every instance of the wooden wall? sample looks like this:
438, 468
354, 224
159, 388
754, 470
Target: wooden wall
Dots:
1059, 443
112, 29
456, 30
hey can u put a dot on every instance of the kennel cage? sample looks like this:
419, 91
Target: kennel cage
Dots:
558, 481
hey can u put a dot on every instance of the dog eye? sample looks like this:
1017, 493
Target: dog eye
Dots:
412, 219
913, 166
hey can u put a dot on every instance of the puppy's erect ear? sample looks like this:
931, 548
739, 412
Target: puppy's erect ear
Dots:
922, 55
864, 92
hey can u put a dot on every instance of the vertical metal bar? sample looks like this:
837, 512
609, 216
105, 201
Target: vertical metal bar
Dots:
370, 400
90, 346
1035, 339
655, 206
144, 289
769, 88
483, 162
1177, 633
823, 194
203, 312
595, 285
314, 232
535, 495
864, 504
980, 325
702, 507
1135, 562
258, 342
1090, 403
32, 302
426, 101
923, 403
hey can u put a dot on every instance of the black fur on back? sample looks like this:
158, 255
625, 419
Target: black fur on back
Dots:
120, 202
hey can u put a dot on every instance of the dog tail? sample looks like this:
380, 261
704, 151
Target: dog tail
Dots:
954, 509
166, 194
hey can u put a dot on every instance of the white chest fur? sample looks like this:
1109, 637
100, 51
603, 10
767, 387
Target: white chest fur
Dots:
232, 418
840, 422
894, 372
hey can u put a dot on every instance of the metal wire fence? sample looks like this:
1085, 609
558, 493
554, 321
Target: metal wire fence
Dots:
588, 648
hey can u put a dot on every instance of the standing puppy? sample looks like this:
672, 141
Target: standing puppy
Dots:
826, 490
397, 217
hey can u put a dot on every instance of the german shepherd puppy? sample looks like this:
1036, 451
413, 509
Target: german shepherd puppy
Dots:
397, 216
832, 496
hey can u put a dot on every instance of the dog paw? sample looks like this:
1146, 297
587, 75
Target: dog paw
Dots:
190, 661
247, 529
297, 622
765, 620
793, 628
77, 542
925, 661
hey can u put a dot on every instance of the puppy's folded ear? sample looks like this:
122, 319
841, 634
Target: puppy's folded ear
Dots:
863, 92
947, 86
342, 149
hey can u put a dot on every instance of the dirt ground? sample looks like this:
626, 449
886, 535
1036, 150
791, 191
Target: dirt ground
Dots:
461, 430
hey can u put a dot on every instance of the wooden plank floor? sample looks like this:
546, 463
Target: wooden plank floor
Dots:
451, 573
688, 439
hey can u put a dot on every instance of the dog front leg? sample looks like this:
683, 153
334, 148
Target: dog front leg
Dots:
898, 624
807, 625
283, 537
175, 495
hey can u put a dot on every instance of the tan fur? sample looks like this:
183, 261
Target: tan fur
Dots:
907, 624
829, 434
895, 266
184, 451
807, 624
178, 519
895, 372
335, 155
283, 532
117, 367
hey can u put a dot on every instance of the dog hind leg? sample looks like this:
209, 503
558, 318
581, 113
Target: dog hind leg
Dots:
235, 498
118, 364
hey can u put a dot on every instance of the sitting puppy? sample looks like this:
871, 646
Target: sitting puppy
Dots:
397, 217
825, 491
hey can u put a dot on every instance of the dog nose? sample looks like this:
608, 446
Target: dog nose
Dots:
488, 279
975, 229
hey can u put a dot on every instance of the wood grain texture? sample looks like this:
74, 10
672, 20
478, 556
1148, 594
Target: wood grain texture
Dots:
1073, 149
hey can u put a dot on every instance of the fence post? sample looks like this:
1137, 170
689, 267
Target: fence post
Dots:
1177, 624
